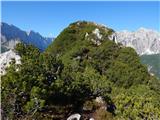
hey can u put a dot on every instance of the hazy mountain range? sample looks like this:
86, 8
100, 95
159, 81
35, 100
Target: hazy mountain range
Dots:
11, 35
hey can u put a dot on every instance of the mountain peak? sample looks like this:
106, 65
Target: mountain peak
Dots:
83, 32
30, 32
10, 34
144, 41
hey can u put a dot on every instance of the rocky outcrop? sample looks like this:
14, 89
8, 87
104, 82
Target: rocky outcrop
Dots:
6, 58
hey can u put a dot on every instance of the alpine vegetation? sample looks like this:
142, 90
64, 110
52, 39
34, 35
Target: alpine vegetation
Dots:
85, 73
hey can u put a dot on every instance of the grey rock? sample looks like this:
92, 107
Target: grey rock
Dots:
144, 41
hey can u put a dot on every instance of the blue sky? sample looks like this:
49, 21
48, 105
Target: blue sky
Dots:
50, 18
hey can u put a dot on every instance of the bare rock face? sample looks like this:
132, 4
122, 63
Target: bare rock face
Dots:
97, 39
144, 41
97, 33
113, 37
6, 58
74, 117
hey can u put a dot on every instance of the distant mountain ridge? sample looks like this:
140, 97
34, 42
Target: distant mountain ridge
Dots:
11, 35
144, 41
